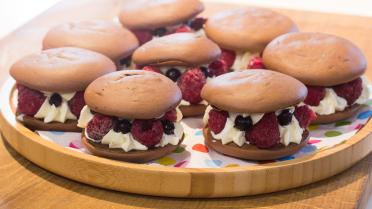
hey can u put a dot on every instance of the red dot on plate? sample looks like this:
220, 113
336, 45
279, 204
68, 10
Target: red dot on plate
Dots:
200, 148
314, 141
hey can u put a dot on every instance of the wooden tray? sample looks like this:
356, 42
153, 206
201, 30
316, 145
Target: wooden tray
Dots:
177, 181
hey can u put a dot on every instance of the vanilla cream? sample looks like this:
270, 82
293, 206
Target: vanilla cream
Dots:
332, 103
50, 113
186, 103
289, 133
126, 141
242, 60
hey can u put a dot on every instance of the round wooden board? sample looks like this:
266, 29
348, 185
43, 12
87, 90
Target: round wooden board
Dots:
179, 182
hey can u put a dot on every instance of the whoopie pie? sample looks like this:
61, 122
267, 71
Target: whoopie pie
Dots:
51, 86
330, 66
256, 115
243, 34
149, 18
106, 37
185, 58
132, 115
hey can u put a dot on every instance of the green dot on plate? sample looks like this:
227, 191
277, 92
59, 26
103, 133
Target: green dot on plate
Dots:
332, 133
342, 123
179, 150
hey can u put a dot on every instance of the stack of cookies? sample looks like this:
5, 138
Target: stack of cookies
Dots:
254, 80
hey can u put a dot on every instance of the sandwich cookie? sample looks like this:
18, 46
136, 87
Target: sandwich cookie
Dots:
185, 58
51, 86
331, 67
149, 19
132, 115
253, 116
106, 37
243, 34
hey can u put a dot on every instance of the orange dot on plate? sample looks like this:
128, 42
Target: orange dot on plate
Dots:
200, 148
231, 165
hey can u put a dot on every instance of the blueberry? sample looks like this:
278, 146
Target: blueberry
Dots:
173, 74
197, 23
159, 32
123, 126
168, 127
55, 100
126, 61
285, 117
243, 123
206, 71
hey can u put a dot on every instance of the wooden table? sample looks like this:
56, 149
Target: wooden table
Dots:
24, 185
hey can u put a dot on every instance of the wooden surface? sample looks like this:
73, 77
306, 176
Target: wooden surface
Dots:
25, 186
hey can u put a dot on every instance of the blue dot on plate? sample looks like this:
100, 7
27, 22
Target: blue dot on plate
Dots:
58, 133
308, 148
286, 158
365, 114
199, 133
213, 163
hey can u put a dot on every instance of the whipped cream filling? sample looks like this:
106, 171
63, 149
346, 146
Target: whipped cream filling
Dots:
126, 141
186, 103
242, 60
50, 113
332, 103
289, 133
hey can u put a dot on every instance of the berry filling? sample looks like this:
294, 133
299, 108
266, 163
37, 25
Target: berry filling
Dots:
193, 25
137, 134
328, 100
256, 63
31, 103
264, 130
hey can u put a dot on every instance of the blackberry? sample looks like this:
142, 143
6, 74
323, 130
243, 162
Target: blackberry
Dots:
168, 127
243, 123
173, 74
55, 100
285, 117
122, 126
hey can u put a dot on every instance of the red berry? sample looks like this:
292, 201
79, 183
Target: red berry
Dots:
152, 69
77, 103
315, 94
99, 126
147, 132
143, 36
29, 100
350, 91
198, 23
171, 115
264, 134
304, 115
256, 63
218, 67
191, 84
228, 57
183, 29
217, 120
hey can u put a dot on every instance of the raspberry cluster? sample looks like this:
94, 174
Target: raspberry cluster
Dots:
350, 91
30, 101
265, 133
147, 132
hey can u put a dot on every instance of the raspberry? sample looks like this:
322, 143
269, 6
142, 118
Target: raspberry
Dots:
191, 84
77, 103
218, 67
315, 94
198, 23
183, 29
143, 36
350, 91
29, 100
217, 120
256, 63
147, 132
228, 57
171, 115
99, 126
152, 69
304, 115
264, 134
